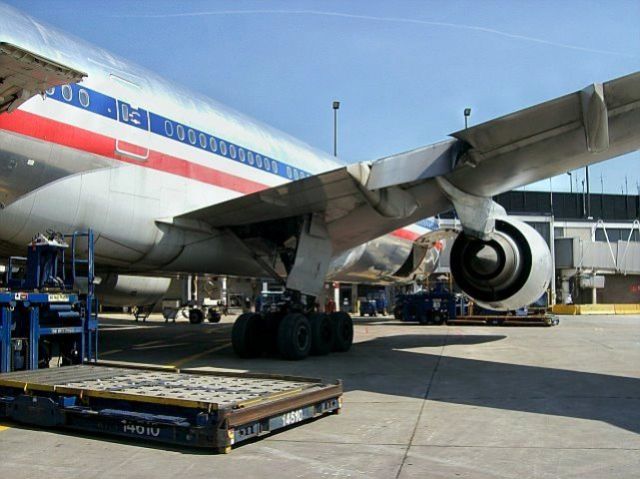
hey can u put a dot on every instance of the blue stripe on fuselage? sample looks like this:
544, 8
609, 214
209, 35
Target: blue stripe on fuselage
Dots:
106, 106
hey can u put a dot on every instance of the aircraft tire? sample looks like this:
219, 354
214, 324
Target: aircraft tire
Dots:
294, 336
342, 331
246, 336
196, 316
321, 334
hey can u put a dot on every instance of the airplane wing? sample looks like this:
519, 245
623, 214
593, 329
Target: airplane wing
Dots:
366, 200
24, 74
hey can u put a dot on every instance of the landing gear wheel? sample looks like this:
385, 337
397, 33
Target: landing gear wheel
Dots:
213, 316
321, 333
294, 336
342, 331
196, 316
247, 337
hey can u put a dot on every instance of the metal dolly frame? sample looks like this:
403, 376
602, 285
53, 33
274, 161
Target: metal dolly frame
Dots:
187, 408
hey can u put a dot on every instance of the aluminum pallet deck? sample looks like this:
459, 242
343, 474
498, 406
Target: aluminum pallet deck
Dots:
214, 410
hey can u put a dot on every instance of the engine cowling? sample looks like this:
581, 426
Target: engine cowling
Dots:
126, 290
507, 272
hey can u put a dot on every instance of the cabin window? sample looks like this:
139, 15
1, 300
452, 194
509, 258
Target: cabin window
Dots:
181, 133
259, 161
203, 140
242, 155
232, 151
67, 93
274, 166
213, 144
296, 175
267, 164
223, 148
192, 136
168, 128
289, 173
50, 91
83, 96
251, 159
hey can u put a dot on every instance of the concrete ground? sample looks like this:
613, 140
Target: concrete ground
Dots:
420, 401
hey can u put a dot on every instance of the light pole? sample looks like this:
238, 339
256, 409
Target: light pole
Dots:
467, 114
336, 107
570, 181
588, 192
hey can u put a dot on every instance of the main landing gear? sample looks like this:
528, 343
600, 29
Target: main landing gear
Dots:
291, 333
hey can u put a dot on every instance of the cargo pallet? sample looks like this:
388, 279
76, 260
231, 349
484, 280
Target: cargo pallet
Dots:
183, 408
500, 320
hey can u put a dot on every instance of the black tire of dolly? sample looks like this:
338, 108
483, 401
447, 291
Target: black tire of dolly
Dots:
213, 316
196, 316
321, 334
246, 336
342, 331
294, 336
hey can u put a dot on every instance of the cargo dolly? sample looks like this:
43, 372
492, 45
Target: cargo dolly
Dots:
183, 408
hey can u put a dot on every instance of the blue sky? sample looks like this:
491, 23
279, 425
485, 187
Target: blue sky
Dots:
403, 70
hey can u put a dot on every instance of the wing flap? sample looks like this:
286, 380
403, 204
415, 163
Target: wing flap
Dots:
24, 74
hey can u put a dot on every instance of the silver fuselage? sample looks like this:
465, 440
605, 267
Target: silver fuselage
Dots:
125, 148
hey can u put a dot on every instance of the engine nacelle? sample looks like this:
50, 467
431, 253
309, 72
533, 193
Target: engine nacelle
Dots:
511, 270
125, 290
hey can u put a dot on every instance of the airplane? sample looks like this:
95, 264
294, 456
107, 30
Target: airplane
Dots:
174, 182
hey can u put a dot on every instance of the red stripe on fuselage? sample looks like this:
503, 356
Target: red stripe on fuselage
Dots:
60, 133
53, 131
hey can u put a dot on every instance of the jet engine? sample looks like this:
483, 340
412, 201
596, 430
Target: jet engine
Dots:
125, 290
510, 270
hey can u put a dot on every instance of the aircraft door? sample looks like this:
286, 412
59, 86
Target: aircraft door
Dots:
134, 117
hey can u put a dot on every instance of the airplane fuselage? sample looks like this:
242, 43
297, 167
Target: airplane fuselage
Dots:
124, 149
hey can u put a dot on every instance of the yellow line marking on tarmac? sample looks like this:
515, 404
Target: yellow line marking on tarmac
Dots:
3, 428
193, 357
109, 353
150, 343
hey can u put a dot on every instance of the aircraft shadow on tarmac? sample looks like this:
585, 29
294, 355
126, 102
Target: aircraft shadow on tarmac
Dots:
405, 366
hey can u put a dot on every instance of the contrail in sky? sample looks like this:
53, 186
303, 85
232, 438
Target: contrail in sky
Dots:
460, 26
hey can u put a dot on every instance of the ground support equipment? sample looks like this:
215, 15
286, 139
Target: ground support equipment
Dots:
192, 408
44, 313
